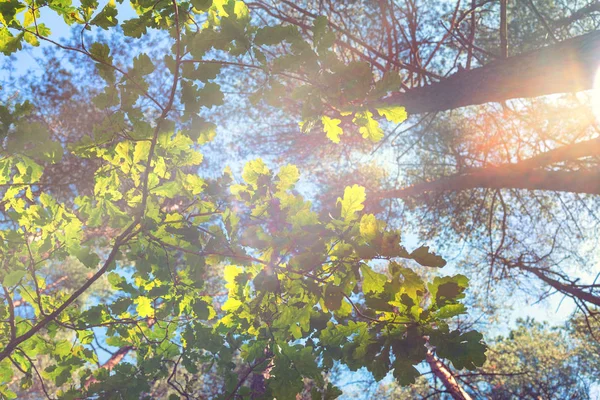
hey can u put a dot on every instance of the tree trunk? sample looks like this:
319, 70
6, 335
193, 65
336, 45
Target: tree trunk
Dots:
526, 174
569, 66
584, 182
503, 29
443, 373
110, 363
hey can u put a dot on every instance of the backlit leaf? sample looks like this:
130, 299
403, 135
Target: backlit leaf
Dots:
331, 126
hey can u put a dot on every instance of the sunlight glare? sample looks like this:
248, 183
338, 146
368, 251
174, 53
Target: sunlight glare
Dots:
596, 95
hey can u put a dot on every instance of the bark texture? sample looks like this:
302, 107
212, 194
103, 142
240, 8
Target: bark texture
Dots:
584, 182
527, 174
568, 66
110, 363
443, 373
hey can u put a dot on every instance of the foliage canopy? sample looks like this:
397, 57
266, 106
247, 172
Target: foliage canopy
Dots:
304, 288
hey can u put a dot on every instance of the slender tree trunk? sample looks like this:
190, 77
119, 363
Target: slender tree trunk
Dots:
443, 373
110, 363
526, 174
568, 66
503, 29
584, 182
116, 358
472, 34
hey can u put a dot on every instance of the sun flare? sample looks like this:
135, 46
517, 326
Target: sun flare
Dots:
596, 95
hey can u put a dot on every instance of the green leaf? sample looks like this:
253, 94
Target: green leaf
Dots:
232, 304
390, 82
63, 348
210, 95
13, 277
10, 43
101, 52
202, 5
464, 350
412, 283
408, 351
266, 282
285, 383
121, 305
135, 27
6, 372
380, 365
450, 310
107, 17
204, 72
86, 256
168, 190
29, 171
9, 9
273, 35
201, 309
331, 126
373, 282
405, 373
331, 392
323, 37
333, 297
142, 65
448, 289
427, 259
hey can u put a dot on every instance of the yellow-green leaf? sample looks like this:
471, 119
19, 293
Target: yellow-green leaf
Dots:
395, 114
368, 227
354, 197
331, 126
231, 304
288, 176
368, 127
144, 306
372, 281
169, 189
229, 274
253, 170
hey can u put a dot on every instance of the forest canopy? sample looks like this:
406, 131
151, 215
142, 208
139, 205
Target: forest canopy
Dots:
299, 200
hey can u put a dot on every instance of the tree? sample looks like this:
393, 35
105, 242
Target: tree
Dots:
487, 209
302, 287
308, 286
531, 361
